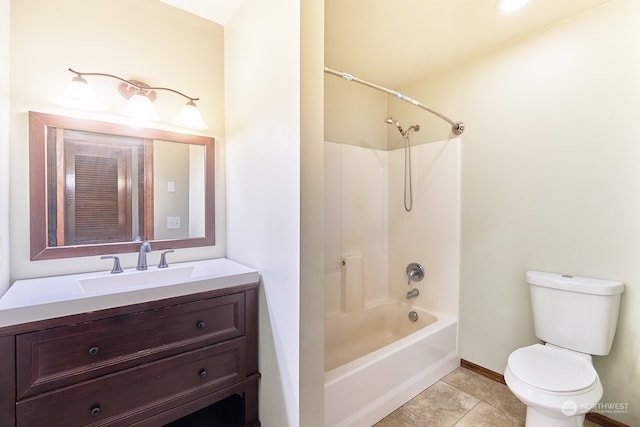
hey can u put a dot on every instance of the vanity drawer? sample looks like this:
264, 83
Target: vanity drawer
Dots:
127, 396
57, 357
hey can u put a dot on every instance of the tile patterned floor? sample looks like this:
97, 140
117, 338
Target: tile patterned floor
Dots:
462, 399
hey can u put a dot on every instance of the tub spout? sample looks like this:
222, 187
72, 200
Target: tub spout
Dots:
413, 293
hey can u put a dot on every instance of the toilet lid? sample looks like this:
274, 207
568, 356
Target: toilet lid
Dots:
552, 369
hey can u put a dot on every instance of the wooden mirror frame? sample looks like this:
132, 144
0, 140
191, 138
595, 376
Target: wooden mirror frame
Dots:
39, 123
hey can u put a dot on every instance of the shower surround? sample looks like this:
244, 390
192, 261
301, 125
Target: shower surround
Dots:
370, 240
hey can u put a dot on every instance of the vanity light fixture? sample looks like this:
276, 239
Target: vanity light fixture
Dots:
511, 5
140, 96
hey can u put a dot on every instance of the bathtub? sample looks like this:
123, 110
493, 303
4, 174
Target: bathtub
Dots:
377, 359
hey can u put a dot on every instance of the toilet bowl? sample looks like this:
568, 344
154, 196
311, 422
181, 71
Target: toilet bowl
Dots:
558, 386
576, 317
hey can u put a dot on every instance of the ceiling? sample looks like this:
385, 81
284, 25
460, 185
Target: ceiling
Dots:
219, 11
394, 42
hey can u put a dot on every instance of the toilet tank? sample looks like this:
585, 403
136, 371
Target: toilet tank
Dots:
577, 313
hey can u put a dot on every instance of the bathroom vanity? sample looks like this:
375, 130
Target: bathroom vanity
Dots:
174, 349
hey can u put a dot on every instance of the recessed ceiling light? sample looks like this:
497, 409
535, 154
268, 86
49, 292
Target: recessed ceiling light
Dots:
511, 5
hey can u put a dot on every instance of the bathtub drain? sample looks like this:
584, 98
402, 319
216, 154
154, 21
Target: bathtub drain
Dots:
413, 316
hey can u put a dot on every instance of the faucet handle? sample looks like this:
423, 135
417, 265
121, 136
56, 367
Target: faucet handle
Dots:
415, 272
163, 259
116, 263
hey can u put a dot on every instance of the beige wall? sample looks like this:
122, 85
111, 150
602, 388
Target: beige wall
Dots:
262, 69
141, 39
274, 172
171, 164
273, 204
550, 180
311, 213
354, 114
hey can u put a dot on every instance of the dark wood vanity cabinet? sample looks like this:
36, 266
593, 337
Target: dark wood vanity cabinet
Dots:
146, 364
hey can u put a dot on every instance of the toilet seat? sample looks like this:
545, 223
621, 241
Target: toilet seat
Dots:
552, 370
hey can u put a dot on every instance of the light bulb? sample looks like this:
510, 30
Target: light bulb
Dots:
511, 5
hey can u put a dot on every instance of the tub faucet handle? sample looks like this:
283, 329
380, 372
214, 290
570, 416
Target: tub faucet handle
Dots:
415, 272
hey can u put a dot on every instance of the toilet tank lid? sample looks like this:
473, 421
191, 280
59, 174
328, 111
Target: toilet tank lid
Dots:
567, 282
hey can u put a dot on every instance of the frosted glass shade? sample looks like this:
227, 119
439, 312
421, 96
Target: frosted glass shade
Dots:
79, 95
139, 107
190, 117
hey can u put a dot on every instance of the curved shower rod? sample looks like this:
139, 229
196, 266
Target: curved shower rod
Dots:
456, 127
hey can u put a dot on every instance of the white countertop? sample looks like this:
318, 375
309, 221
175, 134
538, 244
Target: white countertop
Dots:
48, 297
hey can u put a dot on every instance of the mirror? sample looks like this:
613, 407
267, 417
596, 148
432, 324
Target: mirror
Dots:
95, 187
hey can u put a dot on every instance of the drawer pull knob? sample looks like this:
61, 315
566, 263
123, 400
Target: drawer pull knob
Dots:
95, 411
94, 350
203, 373
201, 325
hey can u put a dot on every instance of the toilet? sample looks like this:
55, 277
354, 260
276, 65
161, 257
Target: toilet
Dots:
575, 317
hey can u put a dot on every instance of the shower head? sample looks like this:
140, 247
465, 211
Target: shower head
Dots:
394, 122
415, 128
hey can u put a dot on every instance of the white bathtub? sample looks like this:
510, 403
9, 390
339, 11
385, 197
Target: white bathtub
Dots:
377, 359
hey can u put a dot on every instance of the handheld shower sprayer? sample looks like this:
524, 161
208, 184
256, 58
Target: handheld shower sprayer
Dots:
408, 191
394, 122
390, 120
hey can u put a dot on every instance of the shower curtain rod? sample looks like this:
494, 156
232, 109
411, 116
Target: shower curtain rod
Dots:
456, 127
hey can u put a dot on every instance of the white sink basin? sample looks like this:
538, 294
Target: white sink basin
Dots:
29, 300
136, 279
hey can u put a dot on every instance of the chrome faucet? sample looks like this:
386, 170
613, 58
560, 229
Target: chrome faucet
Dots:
413, 293
145, 247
